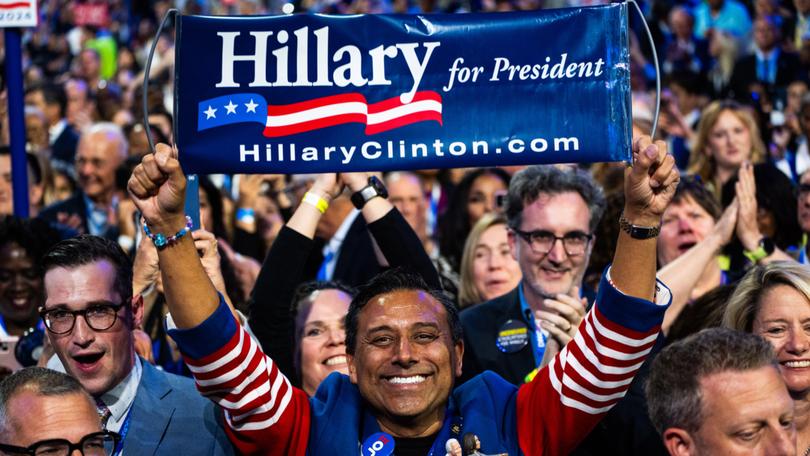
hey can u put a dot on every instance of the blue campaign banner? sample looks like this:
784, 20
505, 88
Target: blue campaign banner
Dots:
314, 93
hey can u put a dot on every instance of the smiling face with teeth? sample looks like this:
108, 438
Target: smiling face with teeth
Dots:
20, 287
322, 337
783, 319
550, 273
405, 361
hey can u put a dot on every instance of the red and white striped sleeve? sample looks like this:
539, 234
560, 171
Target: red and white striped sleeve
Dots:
591, 374
264, 413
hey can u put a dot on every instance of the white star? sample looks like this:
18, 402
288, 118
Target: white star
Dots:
210, 112
230, 107
251, 106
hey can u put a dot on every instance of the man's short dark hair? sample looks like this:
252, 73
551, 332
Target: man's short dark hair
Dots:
395, 280
44, 382
52, 94
674, 397
528, 183
86, 249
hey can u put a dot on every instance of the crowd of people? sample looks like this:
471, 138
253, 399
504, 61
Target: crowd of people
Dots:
582, 309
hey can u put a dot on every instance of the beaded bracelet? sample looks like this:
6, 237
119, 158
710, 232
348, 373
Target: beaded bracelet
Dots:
161, 241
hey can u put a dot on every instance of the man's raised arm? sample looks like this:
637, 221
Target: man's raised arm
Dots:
649, 186
158, 186
593, 372
264, 413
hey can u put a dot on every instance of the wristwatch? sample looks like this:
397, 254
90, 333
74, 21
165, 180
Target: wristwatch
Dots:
763, 250
374, 189
638, 232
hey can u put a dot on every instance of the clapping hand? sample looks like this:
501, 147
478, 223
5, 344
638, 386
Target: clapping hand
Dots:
561, 316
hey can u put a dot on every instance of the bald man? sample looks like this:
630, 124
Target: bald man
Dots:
102, 149
38, 405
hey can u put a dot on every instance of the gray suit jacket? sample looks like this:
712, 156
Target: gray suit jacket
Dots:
170, 417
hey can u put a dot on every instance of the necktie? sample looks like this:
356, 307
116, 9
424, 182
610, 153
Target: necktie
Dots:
103, 413
762, 69
323, 271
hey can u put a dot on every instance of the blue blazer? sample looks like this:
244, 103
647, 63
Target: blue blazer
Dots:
169, 417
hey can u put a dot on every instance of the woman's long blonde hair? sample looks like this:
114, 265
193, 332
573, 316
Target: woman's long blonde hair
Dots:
743, 304
701, 162
468, 294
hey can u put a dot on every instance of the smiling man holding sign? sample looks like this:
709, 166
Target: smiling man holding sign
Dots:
314, 94
404, 347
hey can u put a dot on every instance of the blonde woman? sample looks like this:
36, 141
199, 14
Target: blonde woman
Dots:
727, 137
773, 301
488, 269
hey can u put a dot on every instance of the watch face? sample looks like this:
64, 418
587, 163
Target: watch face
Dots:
378, 186
374, 188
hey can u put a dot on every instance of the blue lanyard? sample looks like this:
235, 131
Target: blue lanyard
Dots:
790, 157
123, 433
536, 334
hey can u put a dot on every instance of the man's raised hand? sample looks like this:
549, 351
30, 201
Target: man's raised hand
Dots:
157, 187
650, 184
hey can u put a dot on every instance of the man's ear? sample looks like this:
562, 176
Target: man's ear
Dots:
459, 349
137, 311
352, 368
678, 442
510, 237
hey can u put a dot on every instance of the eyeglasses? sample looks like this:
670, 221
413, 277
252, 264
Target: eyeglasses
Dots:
802, 189
99, 317
96, 444
575, 243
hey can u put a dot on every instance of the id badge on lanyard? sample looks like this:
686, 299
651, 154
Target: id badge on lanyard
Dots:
537, 334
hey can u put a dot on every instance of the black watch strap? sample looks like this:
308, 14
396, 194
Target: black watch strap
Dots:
638, 232
374, 189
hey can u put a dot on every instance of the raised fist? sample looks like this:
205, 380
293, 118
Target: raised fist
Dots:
158, 187
650, 183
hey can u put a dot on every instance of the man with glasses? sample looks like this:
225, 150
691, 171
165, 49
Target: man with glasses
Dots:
552, 214
90, 314
43, 412
102, 149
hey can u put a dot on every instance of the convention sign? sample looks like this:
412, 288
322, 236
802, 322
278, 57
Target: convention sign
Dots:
18, 13
314, 93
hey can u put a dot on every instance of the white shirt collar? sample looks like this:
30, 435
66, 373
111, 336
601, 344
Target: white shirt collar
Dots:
56, 130
337, 240
773, 53
120, 399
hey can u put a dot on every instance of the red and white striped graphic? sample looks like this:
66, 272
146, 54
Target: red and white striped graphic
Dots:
14, 4
595, 371
285, 120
